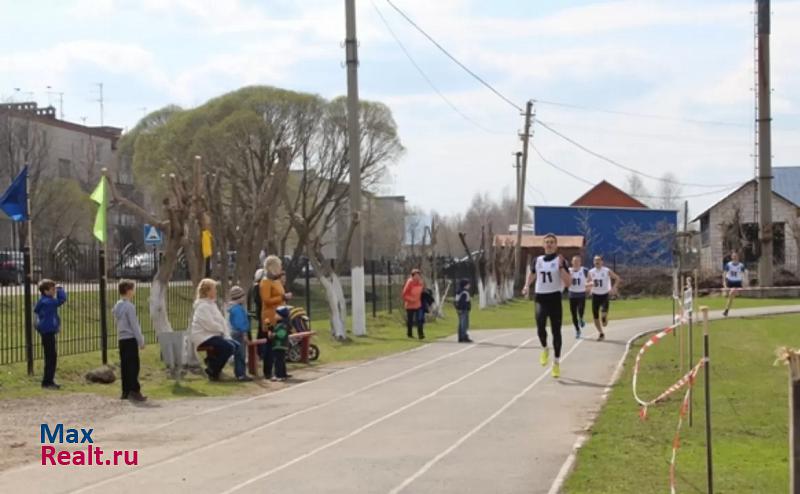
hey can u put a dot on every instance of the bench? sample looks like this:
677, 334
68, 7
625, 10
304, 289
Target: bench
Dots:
252, 349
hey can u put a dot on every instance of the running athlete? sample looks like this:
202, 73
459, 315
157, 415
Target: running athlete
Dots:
577, 294
604, 283
551, 274
732, 277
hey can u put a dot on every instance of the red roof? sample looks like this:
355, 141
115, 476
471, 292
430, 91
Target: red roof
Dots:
605, 194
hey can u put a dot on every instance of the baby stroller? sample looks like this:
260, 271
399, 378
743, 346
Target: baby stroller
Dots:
299, 323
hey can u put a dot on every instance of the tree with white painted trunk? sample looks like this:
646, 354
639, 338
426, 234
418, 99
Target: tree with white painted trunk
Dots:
321, 198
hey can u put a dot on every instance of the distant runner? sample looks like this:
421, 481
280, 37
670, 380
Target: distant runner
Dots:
551, 274
732, 279
604, 283
577, 294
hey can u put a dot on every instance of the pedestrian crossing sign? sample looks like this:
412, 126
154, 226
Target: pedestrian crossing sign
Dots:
152, 236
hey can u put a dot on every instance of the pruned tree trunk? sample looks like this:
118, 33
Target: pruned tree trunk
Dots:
334, 293
477, 270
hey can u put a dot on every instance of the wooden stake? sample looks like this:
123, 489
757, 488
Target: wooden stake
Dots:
706, 375
794, 423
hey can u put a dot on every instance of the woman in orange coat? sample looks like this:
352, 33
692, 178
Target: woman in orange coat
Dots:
412, 299
273, 296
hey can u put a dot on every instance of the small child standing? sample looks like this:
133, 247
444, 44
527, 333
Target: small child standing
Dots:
463, 306
240, 329
131, 340
48, 324
279, 334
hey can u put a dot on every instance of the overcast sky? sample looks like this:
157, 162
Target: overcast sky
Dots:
683, 59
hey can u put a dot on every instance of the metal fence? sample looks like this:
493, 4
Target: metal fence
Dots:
83, 329
78, 270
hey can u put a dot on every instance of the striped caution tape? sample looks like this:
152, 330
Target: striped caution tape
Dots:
687, 380
709, 291
676, 441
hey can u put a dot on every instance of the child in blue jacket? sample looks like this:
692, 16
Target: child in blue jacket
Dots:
48, 324
240, 328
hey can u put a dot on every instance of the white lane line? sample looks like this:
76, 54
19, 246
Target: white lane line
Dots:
284, 418
269, 394
375, 422
436, 459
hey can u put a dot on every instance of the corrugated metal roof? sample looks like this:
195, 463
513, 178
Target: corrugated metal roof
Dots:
786, 182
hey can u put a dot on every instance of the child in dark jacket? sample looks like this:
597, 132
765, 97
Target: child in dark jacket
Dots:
48, 324
240, 329
463, 306
279, 336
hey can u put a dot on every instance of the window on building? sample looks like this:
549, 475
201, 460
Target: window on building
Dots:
126, 219
751, 247
64, 168
705, 230
778, 243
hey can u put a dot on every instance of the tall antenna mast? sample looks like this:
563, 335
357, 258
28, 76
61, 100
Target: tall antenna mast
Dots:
100, 100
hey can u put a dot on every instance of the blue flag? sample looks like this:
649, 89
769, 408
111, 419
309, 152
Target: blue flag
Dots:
14, 202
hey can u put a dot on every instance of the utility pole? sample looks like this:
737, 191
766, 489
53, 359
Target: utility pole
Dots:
518, 170
519, 272
357, 241
764, 147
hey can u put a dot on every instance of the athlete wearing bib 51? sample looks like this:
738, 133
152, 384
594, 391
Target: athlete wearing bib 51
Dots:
551, 274
732, 278
604, 283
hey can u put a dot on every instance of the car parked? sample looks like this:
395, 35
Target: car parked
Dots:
140, 267
12, 268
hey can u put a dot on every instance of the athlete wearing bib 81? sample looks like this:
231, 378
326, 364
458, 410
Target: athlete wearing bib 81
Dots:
550, 272
604, 283
733, 278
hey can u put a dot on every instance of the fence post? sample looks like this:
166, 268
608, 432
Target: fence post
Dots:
103, 317
707, 378
26, 259
389, 283
374, 292
690, 304
794, 423
308, 287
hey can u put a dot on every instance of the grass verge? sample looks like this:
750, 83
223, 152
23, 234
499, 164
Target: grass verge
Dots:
749, 417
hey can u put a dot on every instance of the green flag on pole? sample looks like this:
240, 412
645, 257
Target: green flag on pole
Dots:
100, 196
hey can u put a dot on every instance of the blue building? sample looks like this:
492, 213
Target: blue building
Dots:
615, 225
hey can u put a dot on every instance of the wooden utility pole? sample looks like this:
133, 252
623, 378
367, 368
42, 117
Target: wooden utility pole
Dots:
764, 147
522, 174
354, 138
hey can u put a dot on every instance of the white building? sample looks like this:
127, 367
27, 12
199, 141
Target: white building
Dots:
716, 223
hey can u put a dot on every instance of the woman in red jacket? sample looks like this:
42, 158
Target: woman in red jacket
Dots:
412, 299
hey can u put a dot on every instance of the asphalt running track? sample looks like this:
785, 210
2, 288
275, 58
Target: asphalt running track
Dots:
442, 418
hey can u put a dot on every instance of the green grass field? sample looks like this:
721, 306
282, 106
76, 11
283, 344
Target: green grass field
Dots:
386, 336
749, 417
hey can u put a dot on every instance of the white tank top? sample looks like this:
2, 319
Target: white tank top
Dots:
734, 271
548, 277
578, 284
601, 280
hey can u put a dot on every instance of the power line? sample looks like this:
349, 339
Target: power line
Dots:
427, 79
562, 170
627, 168
453, 58
638, 196
643, 115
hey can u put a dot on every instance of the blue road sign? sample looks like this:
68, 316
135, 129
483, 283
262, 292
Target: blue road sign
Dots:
152, 235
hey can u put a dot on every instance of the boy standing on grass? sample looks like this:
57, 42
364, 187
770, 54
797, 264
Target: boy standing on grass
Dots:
240, 326
131, 340
463, 306
48, 324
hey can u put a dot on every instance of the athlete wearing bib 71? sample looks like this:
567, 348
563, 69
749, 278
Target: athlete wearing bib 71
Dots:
551, 274
603, 283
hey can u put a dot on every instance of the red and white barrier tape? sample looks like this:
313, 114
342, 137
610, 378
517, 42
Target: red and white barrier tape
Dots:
687, 380
708, 291
676, 441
